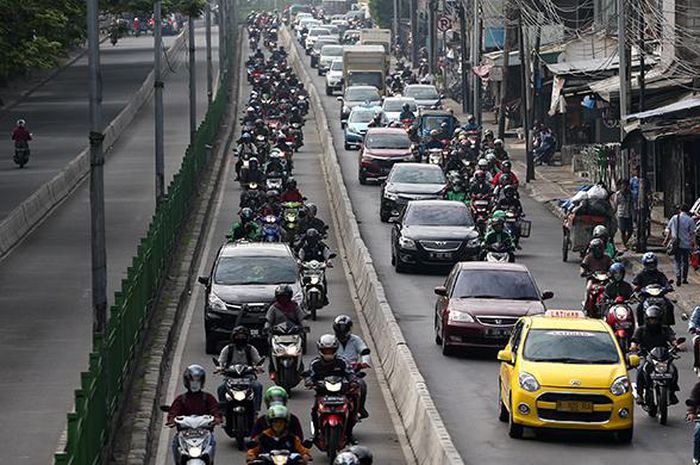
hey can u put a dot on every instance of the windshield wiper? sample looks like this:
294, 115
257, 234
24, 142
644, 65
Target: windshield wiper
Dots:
602, 361
523, 297
482, 296
560, 360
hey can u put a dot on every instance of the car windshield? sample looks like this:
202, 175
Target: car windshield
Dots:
332, 50
232, 271
434, 122
422, 93
569, 346
388, 141
444, 215
362, 95
361, 116
495, 284
397, 105
411, 175
318, 46
319, 32
337, 65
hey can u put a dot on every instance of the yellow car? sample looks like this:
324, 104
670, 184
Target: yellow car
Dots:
562, 370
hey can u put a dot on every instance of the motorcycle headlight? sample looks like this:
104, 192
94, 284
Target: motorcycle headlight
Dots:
239, 395
215, 303
314, 280
528, 382
391, 196
660, 367
280, 459
293, 350
620, 386
461, 317
333, 387
195, 452
406, 243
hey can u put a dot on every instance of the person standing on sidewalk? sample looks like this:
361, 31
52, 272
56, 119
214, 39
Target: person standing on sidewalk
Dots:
680, 236
624, 209
693, 404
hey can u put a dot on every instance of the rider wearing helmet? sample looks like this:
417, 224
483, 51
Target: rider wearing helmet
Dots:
618, 287
479, 185
471, 125
346, 458
406, 112
240, 352
278, 436
353, 349
601, 232
249, 117
246, 228
276, 395
20, 134
487, 143
434, 142
377, 120
595, 260
499, 150
497, 234
506, 169
509, 201
647, 337
291, 192
284, 308
193, 402
261, 128
650, 274
484, 165
312, 247
363, 454
310, 220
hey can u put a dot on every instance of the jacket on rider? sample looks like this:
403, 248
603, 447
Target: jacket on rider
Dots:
616, 289
20, 134
249, 230
646, 277
294, 427
496, 237
280, 313
268, 441
194, 403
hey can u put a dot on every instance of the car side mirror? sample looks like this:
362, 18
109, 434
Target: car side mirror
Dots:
546, 295
633, 360
333, 255
506, 356
441, 291
216, 361
203, 280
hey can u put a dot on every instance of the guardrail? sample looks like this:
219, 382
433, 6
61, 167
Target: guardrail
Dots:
113, 357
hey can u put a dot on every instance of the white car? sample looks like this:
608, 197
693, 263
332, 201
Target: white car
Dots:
328, 54
300, 16
334, 76
314, 34
306, 23
426, 95
393, 106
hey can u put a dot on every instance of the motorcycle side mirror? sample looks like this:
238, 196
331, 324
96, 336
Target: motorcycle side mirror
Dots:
332, 255
216, 361
339, 98
690, 403
680, 340
164, 408
308, 443
203, 280
441, 291
365, 351
546, 295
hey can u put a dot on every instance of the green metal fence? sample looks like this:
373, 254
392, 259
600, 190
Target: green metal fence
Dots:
113, 357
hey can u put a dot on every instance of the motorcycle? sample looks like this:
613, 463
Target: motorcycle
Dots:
655, 294
239, 408
313, 275
194, 438
481, 209
659, 370
250, 169
278, 457
620, 318
435, 157
114, 36
290, 218
287, 345
592, 306
271, 230
513, 226
21, 156
499, 253
295, 136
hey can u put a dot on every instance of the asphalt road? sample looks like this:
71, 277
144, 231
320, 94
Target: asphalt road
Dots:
57, 115
376, 432
45, 316
464, 388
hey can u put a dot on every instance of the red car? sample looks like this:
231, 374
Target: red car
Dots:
481, 301
381, 148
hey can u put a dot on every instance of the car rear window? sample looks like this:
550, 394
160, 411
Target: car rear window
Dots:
232, 271
361, 95
495, 284
362, 116
413, 175
443, 215
397, 105
332, 50
337, 65
422, 93
570, 346
388, 141
319, 32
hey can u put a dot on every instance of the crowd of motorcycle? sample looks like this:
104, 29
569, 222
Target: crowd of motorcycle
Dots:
272, 209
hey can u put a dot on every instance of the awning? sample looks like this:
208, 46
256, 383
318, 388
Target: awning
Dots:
687, 127
656, 79
590, 66
685, 104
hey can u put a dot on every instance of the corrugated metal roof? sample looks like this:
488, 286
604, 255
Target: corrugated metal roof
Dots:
656, 79
684, 104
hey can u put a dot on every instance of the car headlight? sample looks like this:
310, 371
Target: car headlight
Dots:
474, 242
461, 317
620, 386
528, 382
391, 195
215, 303
406, 243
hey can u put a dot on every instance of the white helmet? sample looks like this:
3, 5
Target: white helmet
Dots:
21, 123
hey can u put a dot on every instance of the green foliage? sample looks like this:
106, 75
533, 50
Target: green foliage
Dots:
382, 12
34, 33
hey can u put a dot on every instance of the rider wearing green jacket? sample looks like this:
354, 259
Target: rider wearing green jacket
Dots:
246, 228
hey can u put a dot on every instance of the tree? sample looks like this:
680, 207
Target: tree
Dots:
382, 12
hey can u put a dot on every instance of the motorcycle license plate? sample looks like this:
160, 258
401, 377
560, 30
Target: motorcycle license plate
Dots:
497, 333
441, 255
574, 406
255, 332
661, 375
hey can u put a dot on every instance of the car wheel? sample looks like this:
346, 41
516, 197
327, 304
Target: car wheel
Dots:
447, 350
347, 146
502, 410
329, 91
399, 266
515, 430
438, 339
211, 344
384, 215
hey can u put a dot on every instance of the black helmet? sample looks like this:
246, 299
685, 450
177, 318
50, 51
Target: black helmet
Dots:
346, 458
597, 247
240, 334
259, 122
272, 194
652, 315
312, 235
363, 454
406, 107
284, 291
506, 165
311, 209
291, 183
194, 378
247, 214
246, 137
342, 326
327, 346
509, 191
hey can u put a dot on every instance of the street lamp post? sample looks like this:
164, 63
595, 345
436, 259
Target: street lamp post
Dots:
158, 97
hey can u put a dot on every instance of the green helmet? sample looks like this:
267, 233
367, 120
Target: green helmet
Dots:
276, 394
277, 412
498, 214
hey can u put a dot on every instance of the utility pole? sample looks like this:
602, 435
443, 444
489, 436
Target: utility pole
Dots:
210, 73
414, 32
193, 80
476, 60
624, 52
509, 38
642, 206
158, 97
524, 110
432, 37
221, 19
463, 56
537, 71
396, 22
97, 160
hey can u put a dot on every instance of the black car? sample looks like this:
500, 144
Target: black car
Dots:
245, 275
433, 233
410, 181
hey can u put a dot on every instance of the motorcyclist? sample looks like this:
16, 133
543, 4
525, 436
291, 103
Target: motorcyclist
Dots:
249, 117
278, 436
645, 338
595, 260
413, 134
311, 247
329, 363
272, 204
434, 142
281, 143
488, 141
601, 232
506, 169
479, 187
284, 309
618, 287
353, 349
509, 201
483, 165
274, 166
649, 274
496, 234
259, 54
310, 220
377, 120
276, 395
246, 228
406, 112
499, 150
261, 129
456, 191
20, 134
240, 352
193, 402
291, 192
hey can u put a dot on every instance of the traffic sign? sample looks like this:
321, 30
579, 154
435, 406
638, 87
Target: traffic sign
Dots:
444, 23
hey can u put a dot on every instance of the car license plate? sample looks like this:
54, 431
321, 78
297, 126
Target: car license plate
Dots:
497, 333
441, 255
661, 375
574, 406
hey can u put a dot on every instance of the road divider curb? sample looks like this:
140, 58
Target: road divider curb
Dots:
427, 435
35, 208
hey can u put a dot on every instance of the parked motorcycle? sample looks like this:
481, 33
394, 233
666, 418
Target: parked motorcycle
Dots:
287, 343
194, 438
659, 371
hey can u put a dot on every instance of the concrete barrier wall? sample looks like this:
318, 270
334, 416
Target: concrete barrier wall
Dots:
426, 432
39, 204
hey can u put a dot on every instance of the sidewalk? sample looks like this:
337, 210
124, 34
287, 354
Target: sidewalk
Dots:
554, 183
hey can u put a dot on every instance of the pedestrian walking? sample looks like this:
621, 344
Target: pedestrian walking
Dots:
693, 403
624, 209
679, 241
